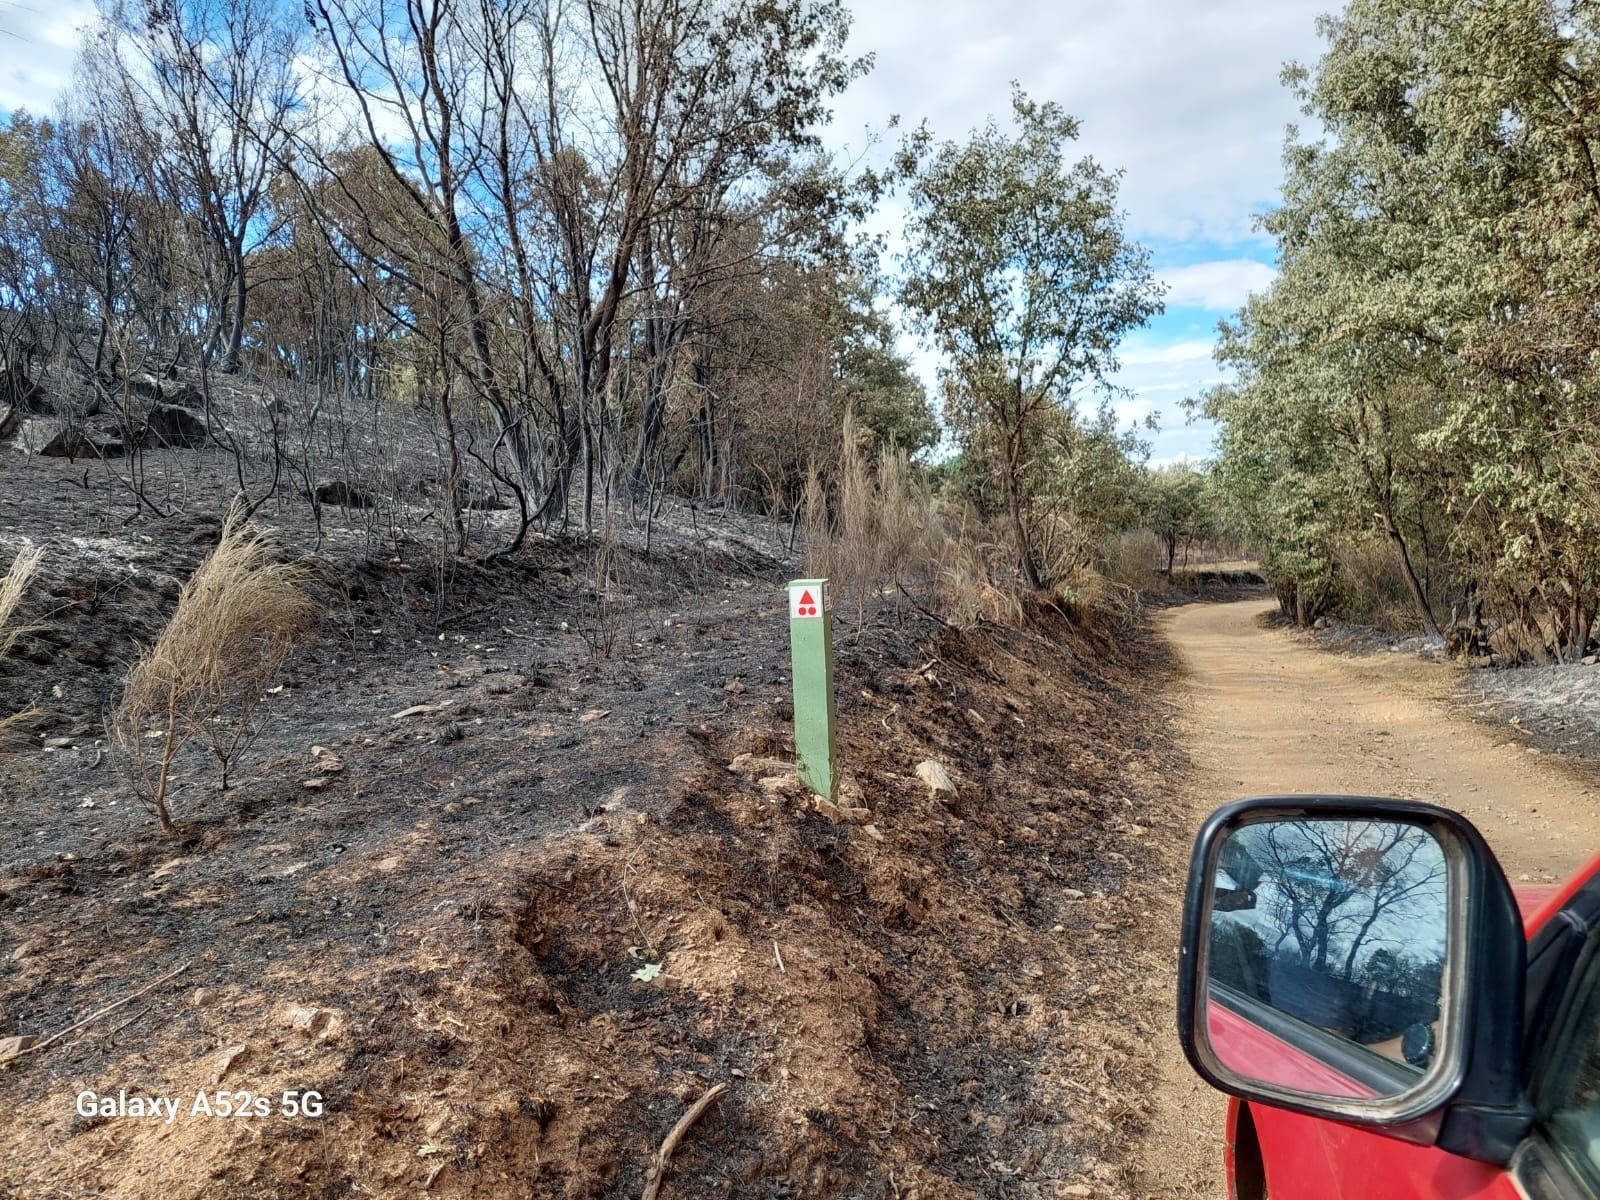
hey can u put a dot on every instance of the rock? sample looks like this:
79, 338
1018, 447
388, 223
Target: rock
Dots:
318, 1023
169, 426
10, 1047
758, 764
319, 784
781, 786
20, 392
184, 395
145, 386
829, 809
1590, 660
416, 710
57, 439
10, 422
337, 491
228, 1057
933, 773
328, 763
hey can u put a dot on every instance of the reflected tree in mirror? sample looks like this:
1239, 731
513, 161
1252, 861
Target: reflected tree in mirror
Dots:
1339, 926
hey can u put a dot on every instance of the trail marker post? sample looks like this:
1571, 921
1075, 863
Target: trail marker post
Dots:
811, 654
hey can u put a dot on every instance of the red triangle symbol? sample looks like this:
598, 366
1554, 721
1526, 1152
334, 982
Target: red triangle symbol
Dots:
805, 598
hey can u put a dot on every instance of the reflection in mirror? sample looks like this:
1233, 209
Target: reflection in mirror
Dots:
1326, 955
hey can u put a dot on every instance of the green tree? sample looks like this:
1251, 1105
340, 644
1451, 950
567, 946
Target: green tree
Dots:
1019, 269
875, 380
1422, 371
1177, 507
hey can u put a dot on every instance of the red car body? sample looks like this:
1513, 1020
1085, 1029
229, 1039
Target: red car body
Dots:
1292, 1156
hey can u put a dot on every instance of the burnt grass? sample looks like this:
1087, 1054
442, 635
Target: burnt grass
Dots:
926, 996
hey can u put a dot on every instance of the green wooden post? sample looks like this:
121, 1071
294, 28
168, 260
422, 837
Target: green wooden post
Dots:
811, 653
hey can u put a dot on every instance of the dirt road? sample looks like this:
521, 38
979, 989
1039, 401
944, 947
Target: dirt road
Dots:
1266, 711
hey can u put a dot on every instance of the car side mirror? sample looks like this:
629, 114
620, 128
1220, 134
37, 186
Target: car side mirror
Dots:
1354, 958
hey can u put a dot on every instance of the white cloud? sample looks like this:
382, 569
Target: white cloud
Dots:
38, 44
1185, 97
1143, 349
1220, 286
1159, 378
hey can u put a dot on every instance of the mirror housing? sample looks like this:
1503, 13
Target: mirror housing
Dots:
1470, 1098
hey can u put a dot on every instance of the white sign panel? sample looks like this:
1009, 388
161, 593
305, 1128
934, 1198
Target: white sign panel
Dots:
805, 601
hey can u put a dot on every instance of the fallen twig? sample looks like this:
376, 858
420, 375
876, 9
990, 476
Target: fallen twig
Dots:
112, 1007
932, 616
130, 1020
652, 1187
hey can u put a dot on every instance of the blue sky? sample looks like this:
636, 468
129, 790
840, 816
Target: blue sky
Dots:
1183, 97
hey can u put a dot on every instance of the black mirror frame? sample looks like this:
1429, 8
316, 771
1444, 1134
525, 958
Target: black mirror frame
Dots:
1485, 1114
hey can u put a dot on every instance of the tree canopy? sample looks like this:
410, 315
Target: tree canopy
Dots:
1019, 269
1422, 374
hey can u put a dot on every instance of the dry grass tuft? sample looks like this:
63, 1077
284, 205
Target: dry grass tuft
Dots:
12, 587
880, 529
963, 580
237, 620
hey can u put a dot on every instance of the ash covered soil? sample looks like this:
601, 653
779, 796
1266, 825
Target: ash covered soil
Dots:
1553, 706
908, 995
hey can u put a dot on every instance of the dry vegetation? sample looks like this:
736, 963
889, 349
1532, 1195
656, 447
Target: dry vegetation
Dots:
12, 587
236, 621
882, 532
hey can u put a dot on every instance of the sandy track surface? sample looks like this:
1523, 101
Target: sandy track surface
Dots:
1267, 711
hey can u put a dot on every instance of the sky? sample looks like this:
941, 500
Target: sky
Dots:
1184, 98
